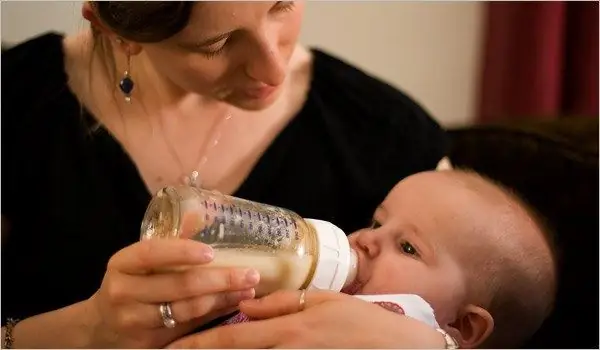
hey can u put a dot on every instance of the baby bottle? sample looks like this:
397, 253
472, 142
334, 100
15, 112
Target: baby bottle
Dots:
288, 251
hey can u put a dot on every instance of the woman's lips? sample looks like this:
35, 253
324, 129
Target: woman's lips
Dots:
260, 93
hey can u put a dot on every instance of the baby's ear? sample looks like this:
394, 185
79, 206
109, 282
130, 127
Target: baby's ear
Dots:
472, 326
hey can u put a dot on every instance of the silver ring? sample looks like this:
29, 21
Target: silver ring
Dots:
167, 315
302, 300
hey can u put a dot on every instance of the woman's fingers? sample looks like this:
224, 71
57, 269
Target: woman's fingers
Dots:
286, 302
148, 315
159, 254
189, 309
188, 283
146, 274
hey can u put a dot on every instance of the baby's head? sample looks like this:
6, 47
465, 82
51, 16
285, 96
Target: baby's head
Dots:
472, 249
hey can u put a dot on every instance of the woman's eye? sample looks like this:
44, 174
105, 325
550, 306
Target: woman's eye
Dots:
409, 249
213, 49
284, 6
211, 54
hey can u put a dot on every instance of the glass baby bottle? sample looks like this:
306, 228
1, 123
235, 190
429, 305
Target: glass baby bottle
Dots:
289, 252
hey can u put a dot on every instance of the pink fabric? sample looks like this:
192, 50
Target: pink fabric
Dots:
238, 318
540, 60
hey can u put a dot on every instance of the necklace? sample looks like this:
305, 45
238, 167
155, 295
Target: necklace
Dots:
191, 176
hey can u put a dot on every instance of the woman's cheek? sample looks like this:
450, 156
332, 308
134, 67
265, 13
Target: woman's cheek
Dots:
288, 36
204, 73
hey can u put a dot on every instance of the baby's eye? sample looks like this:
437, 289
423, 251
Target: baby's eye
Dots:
409, 249
375, 224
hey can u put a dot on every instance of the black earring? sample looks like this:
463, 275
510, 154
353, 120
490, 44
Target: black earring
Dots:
126, 84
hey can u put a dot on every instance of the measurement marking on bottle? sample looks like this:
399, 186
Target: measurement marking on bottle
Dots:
221, 231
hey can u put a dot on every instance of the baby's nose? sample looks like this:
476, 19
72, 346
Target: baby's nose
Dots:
368, 242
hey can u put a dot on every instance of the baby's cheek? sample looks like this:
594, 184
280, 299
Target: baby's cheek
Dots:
398, 278
444, 312
446, 298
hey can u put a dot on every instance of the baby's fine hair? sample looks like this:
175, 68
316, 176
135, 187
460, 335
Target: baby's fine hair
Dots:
522, 291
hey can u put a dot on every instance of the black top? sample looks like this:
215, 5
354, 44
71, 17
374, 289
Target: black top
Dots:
74, 198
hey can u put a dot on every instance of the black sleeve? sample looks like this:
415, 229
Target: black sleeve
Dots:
32, 75
420, 142
381, 134
11, 128
399, 137
415, 142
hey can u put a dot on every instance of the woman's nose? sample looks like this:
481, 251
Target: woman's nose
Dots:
266, 63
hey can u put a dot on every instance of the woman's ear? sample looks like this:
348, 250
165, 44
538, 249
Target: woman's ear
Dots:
129, 48
472, 326
87, 11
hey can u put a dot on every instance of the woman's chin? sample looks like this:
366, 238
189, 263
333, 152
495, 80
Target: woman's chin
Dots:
253, 103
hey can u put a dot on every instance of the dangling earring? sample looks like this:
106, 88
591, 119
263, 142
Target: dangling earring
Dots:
126, 84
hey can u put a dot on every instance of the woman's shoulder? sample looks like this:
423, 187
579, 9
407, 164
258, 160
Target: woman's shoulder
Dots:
32, 46
27, 59
369, 112
33, 71
351, 89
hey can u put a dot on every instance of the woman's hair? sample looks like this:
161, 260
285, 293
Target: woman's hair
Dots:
144, 21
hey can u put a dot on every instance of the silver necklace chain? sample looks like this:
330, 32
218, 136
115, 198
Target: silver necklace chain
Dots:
191, 177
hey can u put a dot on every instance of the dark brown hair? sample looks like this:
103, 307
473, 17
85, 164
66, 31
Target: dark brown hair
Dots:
144, 21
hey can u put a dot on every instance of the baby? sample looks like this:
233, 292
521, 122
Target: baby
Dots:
458, 249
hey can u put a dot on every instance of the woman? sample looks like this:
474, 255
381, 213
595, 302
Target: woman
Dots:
161, 92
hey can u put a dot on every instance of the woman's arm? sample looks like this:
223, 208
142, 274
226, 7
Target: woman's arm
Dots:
69, 327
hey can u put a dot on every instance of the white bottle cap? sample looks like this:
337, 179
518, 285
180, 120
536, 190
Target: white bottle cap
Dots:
336, 261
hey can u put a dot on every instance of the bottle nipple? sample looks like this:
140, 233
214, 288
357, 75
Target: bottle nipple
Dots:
353, 270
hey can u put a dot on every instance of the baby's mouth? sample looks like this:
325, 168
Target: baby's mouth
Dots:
352, 288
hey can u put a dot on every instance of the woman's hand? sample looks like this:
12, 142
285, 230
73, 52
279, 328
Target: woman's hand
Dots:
142, 276
328, 320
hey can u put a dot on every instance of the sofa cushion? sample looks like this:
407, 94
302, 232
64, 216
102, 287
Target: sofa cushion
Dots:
554, 166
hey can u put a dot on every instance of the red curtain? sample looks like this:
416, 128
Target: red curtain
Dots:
540, 60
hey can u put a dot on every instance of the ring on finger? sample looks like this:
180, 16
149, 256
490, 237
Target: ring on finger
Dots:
166, 314
302, 300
